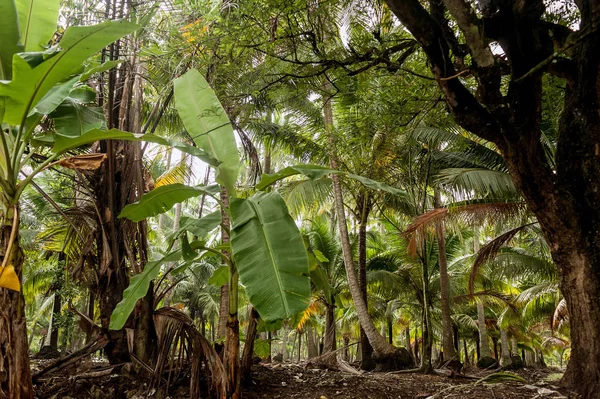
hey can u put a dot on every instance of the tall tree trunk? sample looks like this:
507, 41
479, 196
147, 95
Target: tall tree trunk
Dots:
56, 306
564, 195
484, 345
224, 302
284, 339
427, 333
407, 340
467, 361
231, 354
367, 362
311, 344
384, 353
329, 343
15, 374
505, 350
247, 355
450, 353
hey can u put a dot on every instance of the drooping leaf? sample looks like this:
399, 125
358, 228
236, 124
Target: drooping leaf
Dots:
138, 287
310, 171
219, 277
83, 162
320, 280
162, 199
200, 227
9, 32
187, 251
63, 143
317, 172
106, 66
54, 97
269, 253
208, 124
183, 147
30, 84
74, 119
37, 20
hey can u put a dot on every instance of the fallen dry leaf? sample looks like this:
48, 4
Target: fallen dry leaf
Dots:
83, 162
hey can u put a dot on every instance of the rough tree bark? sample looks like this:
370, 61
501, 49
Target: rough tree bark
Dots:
565, 198
450, 353
15, 375
385, 355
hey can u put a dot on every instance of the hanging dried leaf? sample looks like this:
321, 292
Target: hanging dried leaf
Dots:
9, 279
83, 162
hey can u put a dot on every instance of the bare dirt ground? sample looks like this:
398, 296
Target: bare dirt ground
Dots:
302, 381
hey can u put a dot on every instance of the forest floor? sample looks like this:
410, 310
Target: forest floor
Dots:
301, 381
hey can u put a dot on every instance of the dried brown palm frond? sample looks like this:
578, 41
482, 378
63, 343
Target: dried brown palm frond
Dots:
490, 250
468, 212
184, 352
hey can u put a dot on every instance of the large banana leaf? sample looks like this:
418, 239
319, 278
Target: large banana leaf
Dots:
162, 199
31, 83
37, 20
208, 124
9, 32
317, 172
270, 256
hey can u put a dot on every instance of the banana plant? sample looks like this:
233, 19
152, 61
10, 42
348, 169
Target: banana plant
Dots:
39, 85
268, 255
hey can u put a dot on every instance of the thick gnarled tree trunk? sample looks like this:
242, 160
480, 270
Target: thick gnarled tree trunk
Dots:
15, 374
564, 197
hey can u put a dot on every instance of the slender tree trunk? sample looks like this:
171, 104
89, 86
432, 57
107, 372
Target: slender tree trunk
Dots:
407, 340
299, 334
329, 343
427, 333
505, 350
90, 312
383, 351
56, 306
284, 339
231, 355
224, 302
467, 361
367, 362
495, 345
247, 355
450, 352
311, 345
15, 374
484, 346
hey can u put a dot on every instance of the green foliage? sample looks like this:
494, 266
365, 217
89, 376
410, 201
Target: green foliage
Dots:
162, 199
37, 20
138, 287
9, 32
208, 124
269, 254
317, 172
32, 80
